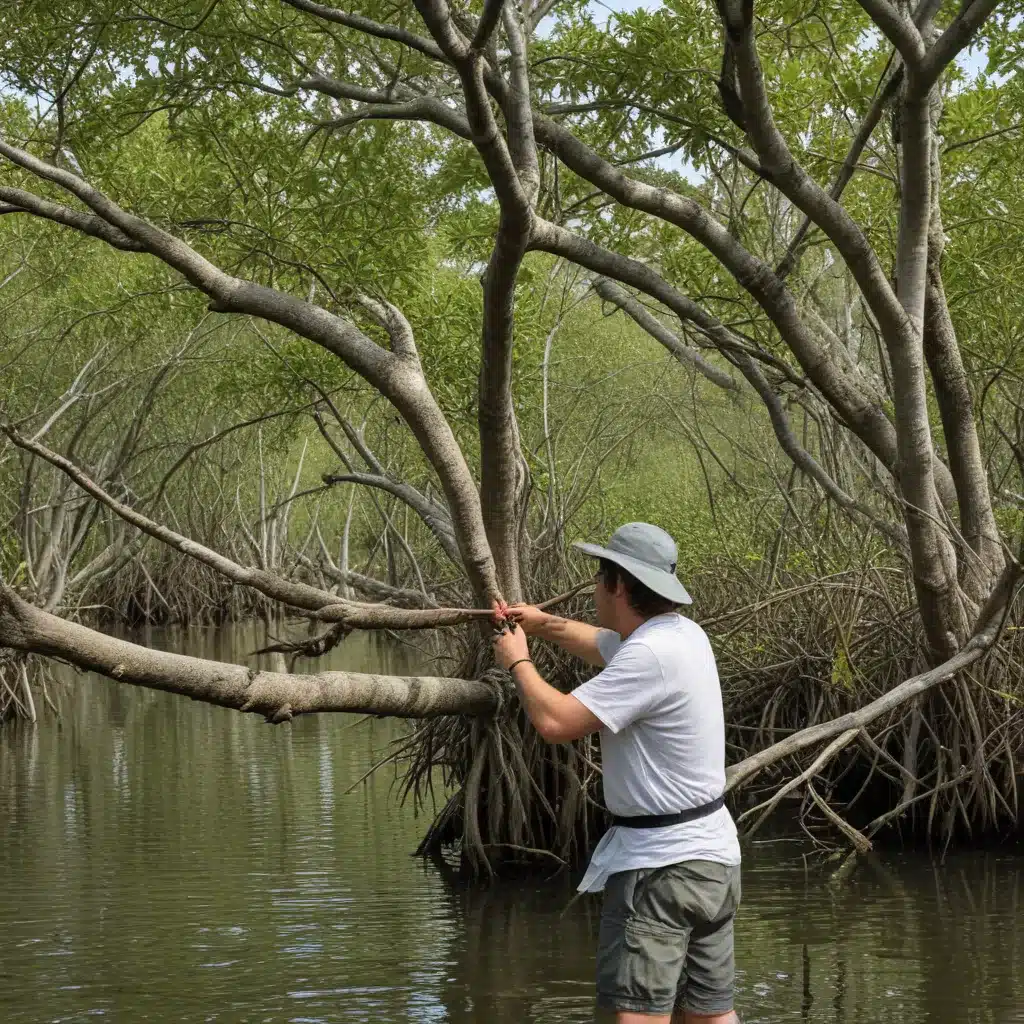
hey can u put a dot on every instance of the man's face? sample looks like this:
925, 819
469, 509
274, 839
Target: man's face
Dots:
604, 601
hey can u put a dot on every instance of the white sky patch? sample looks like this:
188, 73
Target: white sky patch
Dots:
601, 11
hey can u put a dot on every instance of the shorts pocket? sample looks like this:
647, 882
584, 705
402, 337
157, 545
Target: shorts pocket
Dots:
639, 965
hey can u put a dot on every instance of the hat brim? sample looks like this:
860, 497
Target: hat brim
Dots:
664, 584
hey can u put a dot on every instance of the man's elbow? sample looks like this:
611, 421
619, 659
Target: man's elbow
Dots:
565, 730
553, 731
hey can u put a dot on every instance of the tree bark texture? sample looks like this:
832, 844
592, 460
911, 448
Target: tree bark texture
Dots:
278, 696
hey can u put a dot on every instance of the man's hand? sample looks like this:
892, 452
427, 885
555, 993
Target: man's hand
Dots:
575, 637
510, 646
526, 615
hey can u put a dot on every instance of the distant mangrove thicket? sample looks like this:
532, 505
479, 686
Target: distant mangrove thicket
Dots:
355, 318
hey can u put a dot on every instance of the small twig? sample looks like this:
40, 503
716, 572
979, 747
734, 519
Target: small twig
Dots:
860, 842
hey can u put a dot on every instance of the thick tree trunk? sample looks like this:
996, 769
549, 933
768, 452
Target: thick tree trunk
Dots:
502, 469
956, 407
933, 556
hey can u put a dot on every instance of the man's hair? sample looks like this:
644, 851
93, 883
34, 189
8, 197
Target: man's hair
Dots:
642, 599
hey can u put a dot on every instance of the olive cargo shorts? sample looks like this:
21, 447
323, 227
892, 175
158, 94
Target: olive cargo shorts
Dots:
666, 939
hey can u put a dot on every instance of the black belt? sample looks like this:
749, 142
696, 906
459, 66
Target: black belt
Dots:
661, 820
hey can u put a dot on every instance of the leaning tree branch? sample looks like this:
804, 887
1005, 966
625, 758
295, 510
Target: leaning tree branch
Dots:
559, 241
769, 805
864, 417
320, 604
785, 172
87, 224
487, 24
399, 378
803, 459
883, 96
370, 27
277, 696
433, 516
777, 414
375, 589
959, 33
644, 318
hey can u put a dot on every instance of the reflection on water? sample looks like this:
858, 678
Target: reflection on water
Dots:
168, 861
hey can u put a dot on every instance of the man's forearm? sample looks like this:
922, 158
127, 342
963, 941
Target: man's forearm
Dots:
558, 717
578, 638
539, 698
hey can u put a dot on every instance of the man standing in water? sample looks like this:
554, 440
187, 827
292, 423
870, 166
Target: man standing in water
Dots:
670, 864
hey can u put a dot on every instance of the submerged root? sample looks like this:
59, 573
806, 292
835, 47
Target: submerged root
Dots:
517, 799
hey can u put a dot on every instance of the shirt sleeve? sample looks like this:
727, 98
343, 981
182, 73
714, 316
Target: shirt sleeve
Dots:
608, 642
626, 690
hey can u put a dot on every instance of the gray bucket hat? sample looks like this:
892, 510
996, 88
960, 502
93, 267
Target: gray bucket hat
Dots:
646, 552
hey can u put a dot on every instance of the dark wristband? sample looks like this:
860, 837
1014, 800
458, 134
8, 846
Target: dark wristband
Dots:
519, 662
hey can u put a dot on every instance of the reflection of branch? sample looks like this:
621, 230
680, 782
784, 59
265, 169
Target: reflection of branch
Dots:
313, 647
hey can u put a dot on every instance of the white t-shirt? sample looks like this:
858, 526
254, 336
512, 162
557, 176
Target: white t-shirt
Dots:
662, 746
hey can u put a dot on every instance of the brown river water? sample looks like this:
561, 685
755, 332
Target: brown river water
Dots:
162, 860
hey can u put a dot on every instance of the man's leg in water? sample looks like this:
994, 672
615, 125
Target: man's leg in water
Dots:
680, 1017
667, 938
